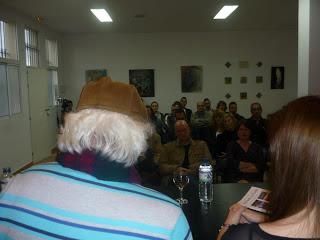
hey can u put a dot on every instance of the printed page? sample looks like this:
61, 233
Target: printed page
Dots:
256, 199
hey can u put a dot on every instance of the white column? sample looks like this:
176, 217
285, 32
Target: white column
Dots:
303, 47
309, 48
314, 46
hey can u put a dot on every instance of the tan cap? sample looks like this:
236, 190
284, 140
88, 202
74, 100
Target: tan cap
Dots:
112, 96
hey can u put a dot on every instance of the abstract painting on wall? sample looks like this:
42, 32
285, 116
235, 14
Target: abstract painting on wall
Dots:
143, 80
259, 79
243, 95
277, 77
243, 64
227, 80
243, 80
92, 75
191, 78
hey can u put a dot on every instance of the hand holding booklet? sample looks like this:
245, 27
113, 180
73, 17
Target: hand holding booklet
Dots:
256, 199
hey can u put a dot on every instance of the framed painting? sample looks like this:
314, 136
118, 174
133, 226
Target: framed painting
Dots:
277, 77
243, 80
259, 79
92, 75
243, 95
227, 80
191, 78
143, 80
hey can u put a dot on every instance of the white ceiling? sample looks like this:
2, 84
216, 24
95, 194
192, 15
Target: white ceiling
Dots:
74, 16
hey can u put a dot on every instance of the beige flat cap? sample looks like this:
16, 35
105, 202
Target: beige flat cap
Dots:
112, 96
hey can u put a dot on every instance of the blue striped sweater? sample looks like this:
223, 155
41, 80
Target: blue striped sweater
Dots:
49, 201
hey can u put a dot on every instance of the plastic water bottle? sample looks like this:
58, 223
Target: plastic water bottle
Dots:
205, 182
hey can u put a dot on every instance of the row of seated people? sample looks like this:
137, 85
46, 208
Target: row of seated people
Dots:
206, 124
242, 159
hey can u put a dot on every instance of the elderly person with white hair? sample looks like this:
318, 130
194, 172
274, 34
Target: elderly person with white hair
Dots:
89, 193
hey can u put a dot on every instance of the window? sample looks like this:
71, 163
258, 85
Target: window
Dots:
10, 101
52, 53
32, 47
53, 90
4, 101
8, 41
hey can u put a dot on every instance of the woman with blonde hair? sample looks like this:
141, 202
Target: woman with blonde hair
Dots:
295, 183
216, 128
229, 134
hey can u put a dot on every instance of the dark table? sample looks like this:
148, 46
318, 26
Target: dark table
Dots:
206, 219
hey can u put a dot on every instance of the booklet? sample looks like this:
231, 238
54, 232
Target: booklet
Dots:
256, 199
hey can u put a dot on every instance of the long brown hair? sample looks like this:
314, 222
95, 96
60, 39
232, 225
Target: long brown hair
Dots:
215, 124
294, 133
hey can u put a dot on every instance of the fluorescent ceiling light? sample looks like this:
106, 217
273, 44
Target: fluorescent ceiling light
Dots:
102, 15
225, 11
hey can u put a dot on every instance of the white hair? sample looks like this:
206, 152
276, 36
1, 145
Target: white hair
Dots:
115, 135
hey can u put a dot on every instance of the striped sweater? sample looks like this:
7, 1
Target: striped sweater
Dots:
49, 201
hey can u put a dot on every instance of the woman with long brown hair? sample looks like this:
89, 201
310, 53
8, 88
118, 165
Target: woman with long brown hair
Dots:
294, 133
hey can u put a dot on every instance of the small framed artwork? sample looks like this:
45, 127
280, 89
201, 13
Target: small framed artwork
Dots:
259, 79
243, 64
191, 78
243, 80
243, 95
227, 80
277, 77
93, 75
143, 80
228, 95
259, 64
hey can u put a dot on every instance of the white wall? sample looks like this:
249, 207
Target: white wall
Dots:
15, 139
166, 52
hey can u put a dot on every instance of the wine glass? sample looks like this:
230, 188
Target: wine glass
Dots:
181, 180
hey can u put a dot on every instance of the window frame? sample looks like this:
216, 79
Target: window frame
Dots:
9, 36
29, 48
50, 55
9, 95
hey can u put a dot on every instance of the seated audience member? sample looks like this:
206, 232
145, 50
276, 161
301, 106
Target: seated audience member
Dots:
155, 108
207, 105
257, 125
295, 155
180, 115
229, 134
169, 122
147, 165
200, 122
216, 128
244, 158
91, 186
187, 111
200, 118
157, 123
233, 110
66, 107
184, 154
221, 106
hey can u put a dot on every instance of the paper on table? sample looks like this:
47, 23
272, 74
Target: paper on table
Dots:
257, 199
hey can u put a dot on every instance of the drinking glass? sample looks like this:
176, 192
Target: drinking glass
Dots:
181, 180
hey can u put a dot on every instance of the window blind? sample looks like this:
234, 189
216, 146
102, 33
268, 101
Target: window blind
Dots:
52, 53
32, 48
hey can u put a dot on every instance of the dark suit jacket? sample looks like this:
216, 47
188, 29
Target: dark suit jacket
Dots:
188, 113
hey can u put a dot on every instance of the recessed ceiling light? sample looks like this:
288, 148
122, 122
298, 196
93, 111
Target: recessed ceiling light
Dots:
225, 11
102, 15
